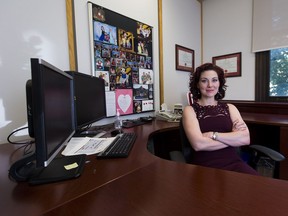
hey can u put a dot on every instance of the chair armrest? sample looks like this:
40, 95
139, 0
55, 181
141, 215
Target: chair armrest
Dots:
274, 155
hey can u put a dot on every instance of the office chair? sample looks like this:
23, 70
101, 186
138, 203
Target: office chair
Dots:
186, 149
185, 155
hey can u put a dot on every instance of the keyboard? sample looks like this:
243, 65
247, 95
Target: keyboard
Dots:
120, 147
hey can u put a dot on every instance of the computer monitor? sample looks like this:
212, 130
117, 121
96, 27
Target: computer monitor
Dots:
90, 102
50, 113
53, 110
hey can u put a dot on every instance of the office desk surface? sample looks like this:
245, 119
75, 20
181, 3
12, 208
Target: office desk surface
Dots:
23, 199
143, 184
168, 188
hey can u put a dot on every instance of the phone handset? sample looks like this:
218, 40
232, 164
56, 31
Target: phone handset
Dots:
167, 116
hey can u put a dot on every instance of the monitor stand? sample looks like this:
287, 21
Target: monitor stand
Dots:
26, 170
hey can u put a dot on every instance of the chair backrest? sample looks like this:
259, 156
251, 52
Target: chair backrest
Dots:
189, 98
187, 149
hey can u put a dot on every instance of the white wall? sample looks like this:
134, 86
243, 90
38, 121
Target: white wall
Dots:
29, 29
228, 29
38, 29
181, 25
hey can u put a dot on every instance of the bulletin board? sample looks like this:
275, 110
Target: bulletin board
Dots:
121, 54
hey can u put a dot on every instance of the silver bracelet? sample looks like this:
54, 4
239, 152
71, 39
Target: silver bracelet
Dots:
215, 135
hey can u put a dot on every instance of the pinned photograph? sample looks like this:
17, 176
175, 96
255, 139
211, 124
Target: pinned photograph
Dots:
137, 106
142, 48
99, 13
124, 77
105, 33
145, 76
99, 64
147, 105
140, 92
105, 76
144, 31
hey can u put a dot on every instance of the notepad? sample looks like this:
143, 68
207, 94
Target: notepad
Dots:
86, 145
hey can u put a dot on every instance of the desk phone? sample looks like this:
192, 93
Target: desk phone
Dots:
168, 116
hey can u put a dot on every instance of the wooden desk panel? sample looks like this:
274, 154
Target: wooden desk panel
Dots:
22, 199
143, 184
266, 119
169, 188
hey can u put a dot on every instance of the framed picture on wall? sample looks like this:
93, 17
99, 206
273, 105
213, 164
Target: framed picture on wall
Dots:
231, 64
184, 58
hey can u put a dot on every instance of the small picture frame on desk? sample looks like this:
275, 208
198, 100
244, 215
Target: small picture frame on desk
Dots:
230, 63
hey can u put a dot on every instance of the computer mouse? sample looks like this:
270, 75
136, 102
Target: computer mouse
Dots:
115, 132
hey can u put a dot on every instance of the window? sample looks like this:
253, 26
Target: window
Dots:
278, 83
272, 76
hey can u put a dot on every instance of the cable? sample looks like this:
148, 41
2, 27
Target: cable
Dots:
19, 143
27, 148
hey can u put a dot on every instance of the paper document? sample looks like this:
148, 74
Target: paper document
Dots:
86, 145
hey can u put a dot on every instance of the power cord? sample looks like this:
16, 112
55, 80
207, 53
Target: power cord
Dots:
26, 145
19, 169
19, 143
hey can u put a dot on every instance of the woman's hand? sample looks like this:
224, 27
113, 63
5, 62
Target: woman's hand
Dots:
208, 134
239, 126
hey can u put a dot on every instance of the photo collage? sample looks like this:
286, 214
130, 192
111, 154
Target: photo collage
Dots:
123, 58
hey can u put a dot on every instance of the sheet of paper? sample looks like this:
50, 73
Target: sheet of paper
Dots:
110, 103
87, 145
74, 144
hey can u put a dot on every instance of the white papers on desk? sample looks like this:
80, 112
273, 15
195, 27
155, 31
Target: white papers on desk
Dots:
86, 145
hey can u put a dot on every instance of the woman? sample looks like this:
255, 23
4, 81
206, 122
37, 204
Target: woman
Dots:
214, 128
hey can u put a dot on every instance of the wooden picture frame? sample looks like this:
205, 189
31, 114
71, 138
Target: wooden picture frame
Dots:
231, 64
184, 58
126, 40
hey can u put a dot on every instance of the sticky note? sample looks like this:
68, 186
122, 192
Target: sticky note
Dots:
71, 166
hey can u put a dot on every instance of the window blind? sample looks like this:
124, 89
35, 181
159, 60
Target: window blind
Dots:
270, 25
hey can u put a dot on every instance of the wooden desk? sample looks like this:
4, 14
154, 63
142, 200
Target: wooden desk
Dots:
143, 184
21, 199
166, 188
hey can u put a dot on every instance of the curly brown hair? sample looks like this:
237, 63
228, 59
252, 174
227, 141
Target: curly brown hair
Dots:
195, 77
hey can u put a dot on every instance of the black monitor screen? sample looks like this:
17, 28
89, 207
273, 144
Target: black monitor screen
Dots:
89, 92
52, 110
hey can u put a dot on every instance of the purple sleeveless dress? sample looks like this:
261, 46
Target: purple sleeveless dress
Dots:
217, 118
